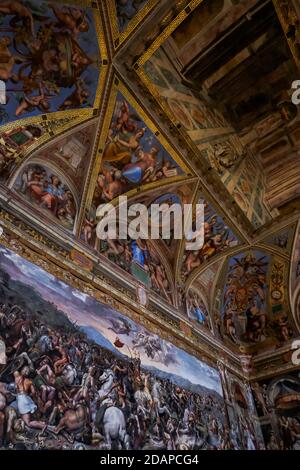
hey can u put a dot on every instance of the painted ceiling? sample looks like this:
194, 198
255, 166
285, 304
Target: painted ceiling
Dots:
92, 83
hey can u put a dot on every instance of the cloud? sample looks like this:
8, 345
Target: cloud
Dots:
80, 295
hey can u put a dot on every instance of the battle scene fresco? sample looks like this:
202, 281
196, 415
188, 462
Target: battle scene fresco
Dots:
254, 307
73, 368
132, 157
49, 58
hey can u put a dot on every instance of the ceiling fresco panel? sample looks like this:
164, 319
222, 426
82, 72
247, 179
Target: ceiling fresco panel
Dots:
282, 240
134, 155
210, 133
20, 139
52, 179
218, 237
127, 10
51, 61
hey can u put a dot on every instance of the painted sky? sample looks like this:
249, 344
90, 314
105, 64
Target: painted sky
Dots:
88, 312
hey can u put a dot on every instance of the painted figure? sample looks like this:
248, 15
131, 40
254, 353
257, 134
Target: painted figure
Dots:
45, 60
132, 156
45, 190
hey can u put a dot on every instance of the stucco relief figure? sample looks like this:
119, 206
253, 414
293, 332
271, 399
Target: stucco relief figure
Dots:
224, 156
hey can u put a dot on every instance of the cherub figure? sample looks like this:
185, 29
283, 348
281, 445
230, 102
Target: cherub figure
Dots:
72, 19
29, 103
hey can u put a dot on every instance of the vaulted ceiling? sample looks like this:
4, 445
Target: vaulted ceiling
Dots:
203, 89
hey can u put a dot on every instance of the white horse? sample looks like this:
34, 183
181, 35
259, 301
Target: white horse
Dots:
114, 425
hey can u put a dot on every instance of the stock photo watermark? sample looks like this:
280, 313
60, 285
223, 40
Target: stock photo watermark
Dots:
296, 353
3, 99
296, 92
159, 221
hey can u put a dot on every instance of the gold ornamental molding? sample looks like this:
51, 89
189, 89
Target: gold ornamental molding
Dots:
170, 28
118, 36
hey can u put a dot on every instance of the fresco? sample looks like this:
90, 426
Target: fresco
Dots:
13, 143
168, 200
74, 367
254, 282
48, 58
193, 114
71, 153
278, 404
245, 427
45, 189
142, 258
206, 280
217, 238
138, 257
212, 135
127, 10
282, 239
132, 156
196, 309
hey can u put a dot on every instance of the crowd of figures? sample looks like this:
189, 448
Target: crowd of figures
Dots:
60, 390
50, 42
127, 253
46, 190
132, 156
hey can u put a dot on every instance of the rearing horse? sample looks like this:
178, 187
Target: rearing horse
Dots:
113, 420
